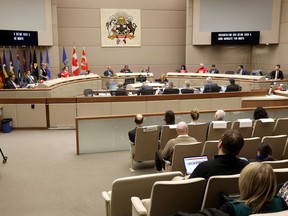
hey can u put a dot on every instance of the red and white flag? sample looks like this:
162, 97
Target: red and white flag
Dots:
84, 63
75, 64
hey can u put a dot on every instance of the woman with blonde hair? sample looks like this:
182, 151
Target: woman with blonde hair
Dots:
257, 186
194, 116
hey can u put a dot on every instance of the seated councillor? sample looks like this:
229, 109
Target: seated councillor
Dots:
28, 78
201, 69
241, 70
232, 86
167, 153
260, 113
276, 73
194, 116
144, 87
226, 162
257, 187
10, 83
213, 69
264, 152
65, 73
125, 69
183, 69
138, 121
109, 72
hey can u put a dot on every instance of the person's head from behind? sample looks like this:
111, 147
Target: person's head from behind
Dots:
219, 115
209, 79
171, 85
264, 151
230, 143
257, 186
169, 117
182, 128
259, 113
120, 85
187, 84
139, 119
194, 114
232, 81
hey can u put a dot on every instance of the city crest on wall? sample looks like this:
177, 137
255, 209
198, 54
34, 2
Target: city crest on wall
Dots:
120, 27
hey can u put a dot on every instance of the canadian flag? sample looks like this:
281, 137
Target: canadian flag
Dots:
84, 63
75, 64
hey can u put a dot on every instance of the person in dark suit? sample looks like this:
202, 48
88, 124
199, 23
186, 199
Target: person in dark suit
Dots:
125, 69
214, 70
10, 84
109, 72
210, 86
233, 86
277, 73
28, 78
241, 70
144, 87
138, 121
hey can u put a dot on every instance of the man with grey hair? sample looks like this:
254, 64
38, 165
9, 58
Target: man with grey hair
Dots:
43, 72
210, 86
219, 115
167, 153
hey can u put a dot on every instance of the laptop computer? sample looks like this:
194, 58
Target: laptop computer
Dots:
192, 162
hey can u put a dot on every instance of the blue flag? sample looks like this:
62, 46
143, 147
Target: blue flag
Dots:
18, 66
11, 67
41, 57
4, 65
64, 59
48, 64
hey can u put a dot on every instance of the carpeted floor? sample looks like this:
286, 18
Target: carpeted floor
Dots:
44, 176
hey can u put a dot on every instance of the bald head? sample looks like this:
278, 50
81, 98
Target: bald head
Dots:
139, 119
209, 79
182, 128
219, 115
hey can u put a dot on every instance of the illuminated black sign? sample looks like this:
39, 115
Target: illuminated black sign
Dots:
18, 38
237, 38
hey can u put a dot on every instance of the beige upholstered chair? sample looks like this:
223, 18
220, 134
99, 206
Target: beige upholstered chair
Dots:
250, 148
217, 128
118, 200
168, 132
168, 197
263, 127
278, 164
146, 144
226, 184
244, 126
181, 151
281, 175
280, 127
277, 143
281, 213
198, 131
210, 148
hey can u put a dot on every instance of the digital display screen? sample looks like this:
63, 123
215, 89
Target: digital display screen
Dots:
18, 38
235, 38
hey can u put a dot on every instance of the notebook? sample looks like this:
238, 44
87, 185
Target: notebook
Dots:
192, 162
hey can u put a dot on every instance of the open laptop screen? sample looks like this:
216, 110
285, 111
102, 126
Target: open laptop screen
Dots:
192, 162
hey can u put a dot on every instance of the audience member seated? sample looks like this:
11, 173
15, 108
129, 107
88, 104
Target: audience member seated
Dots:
125, 69
194, 116
257, 187
28, 79
219, 115
233, 86
183, 69
201, 69
277, 73
210, 86
226, 162
138, 121
264, 152
145, 89
260, 113
241, 70
187, 89
10, 83
169, 117
162, 79
283, 192
146, 70
213, 69
170, 89
109, 72
65, 73
167, 153
120, 91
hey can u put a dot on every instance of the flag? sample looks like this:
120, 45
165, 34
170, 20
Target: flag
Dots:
11, 67
41, 57
30, 60
75, 64
48, 64
4, 65
64, 59
24, 61
84, 64
34, 57
18, 66
2, 76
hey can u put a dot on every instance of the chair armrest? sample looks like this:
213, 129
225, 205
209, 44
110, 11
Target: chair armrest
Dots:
138, 209
106, 196
167, 162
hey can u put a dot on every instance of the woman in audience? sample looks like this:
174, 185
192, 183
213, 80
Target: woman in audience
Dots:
194, 116
259, 113
257, 186
264, 152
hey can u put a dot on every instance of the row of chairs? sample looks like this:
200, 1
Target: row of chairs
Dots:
156, 194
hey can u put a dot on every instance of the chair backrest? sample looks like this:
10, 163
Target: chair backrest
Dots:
250, 148
277, 143
169, 197
281, 175
278, 164
244, 127
141, 186
210, 148
187, 91
146, 142
281, 213
214, 88
280, 127
262, 128
167, 132
184, 150
171, 91
198, 131
88, 92
147, 92
226, 184
119, 93
217, 128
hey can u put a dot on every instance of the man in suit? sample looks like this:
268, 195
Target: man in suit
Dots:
241, 70
144, 87
125, 69
28, 79
233, 86
167, 153
138, 121
277, 73
210, 86
109, 72
214, 70
10, 84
